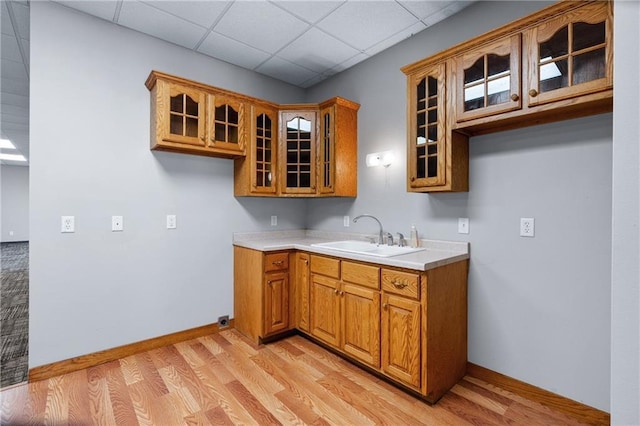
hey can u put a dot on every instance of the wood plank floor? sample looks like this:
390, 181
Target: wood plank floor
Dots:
224, 379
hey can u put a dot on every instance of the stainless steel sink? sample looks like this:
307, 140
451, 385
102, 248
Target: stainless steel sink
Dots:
369, 249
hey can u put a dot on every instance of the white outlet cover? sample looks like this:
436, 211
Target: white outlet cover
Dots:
172, 221
345, 221
117, 223
68, 224
527, 227
463, 225
274, 220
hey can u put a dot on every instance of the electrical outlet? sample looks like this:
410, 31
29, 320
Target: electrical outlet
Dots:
463, 225
223, 321
527, 227
345, 221
117, 223
172, 221
274, 220
68, 224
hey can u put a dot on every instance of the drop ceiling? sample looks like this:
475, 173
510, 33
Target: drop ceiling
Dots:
299, 42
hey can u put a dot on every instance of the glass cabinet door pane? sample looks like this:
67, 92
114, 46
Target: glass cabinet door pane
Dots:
587, 35
298, 153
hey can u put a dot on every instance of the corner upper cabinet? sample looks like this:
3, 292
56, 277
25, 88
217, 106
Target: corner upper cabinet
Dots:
488, 79
571, 55
182, 118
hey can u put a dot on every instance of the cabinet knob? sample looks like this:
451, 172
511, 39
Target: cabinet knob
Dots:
269, 282
533, 93
342, 293
385, 305
515, 97
413, 178
399, 285
336, 291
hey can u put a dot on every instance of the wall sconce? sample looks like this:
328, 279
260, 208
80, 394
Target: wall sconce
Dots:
384, 158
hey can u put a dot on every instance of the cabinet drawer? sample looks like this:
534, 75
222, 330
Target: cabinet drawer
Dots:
325, 266
403, 283
357, 273
276, 261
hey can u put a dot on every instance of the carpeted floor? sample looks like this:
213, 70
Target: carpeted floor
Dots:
14, 312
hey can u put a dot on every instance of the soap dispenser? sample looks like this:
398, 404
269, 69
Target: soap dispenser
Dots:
415, 242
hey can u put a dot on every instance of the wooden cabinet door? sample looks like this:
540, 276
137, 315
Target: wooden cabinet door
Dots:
488, 79
571, 55
325, 309
276, 302
427, 136
226, 124
181, 114
302, 291
401, 339
361, 323
326, 150
298, 152
263, 150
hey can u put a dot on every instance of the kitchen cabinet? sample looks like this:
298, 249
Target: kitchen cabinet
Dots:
401, 314
261, 293
346, 314
188, 117
488, 79
571, 55
300, 150
553, 65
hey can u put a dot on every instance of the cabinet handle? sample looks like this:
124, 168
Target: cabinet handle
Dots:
342, 293
306, 262
385, 306
533, 93
515, 97
269, 282
277, 262
399, 285
336, 291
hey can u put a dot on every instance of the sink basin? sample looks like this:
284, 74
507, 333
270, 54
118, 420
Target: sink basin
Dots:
369, 249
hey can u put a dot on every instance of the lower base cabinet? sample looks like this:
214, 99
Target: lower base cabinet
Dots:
408, 326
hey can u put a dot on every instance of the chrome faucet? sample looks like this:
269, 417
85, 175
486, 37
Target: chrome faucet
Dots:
380, 234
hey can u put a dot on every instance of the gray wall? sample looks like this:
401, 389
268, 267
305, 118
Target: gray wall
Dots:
90, 158
14, 216
625, 282
539, 308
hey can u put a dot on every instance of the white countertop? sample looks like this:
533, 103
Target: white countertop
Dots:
437, 253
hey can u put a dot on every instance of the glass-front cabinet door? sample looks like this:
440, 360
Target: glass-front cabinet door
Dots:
263, 156
571, 55
326, 151
185, 114
226, 123
427, 147
488, 79
298, 143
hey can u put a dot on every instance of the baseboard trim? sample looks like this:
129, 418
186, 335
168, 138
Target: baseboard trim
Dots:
90, 360
577, 410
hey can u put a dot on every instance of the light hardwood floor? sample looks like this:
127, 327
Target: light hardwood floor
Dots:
225, 379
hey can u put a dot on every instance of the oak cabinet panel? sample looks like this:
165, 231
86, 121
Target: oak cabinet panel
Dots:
401, 356
361, 323
261, 292
325, 309
226, 123
302, 293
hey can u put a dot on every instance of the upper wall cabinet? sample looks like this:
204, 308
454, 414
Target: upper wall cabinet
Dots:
296, 150
553, 65
192, 118
571, 55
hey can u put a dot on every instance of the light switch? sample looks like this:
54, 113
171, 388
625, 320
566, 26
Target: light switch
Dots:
463, 225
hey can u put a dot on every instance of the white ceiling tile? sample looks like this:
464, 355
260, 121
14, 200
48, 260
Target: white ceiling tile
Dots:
203, 13
285, 71
326, 51
310, 11
160, 24
232, 51
261, 25
102, 9
350, 62
396, 38
424, 9
365, 24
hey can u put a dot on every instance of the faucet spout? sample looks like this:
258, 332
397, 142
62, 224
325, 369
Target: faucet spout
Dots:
380, 234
